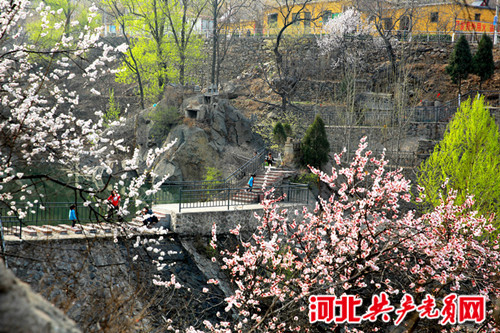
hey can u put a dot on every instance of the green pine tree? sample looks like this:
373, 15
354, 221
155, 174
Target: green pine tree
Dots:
279, 134
288, 129
460, 63
482, 62
113, 112
315, 145
469, 157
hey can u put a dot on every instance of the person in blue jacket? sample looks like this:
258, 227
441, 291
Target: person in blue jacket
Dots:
72, 215
250, 183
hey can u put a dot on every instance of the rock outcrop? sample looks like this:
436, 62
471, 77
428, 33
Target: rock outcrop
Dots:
209, 132
21, 310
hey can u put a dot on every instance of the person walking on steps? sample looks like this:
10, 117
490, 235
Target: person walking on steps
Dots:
269, 159
250, 183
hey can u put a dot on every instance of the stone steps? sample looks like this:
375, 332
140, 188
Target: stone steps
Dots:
162, 217
271, 177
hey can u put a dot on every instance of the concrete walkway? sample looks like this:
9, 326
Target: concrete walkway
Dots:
174, 208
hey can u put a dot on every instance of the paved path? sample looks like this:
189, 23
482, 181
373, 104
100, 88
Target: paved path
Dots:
64, 231
174, 208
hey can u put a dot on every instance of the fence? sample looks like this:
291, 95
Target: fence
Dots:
342, 116
51, 213
170, 192
427, 114
227, 197
10, 225
238, 176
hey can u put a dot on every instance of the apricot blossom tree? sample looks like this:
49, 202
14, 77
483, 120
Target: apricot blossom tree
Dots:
340, 32
42, 141
357, 243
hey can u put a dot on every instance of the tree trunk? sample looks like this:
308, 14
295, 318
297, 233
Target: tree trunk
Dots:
182, 67
215, 4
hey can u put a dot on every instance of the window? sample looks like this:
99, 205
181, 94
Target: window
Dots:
307, 19
387, 23
272, 19
327, 15
477, 17
404, 24
434, 17
296, 18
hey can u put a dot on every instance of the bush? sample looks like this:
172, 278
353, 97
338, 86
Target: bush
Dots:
288, 130
164, 118
307, 178
315, 145
279, 134
113, 112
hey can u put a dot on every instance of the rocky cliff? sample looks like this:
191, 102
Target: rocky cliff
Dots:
208, 133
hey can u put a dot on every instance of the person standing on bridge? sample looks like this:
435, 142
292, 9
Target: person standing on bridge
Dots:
72, 215
113, 203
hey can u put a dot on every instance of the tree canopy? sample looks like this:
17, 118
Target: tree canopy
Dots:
315, 145
44, 147
165, 47
466, 160
61, 21
483, 63
460, 62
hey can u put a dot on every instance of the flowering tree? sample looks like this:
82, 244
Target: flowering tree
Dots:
357, 243
42, 144
339, 31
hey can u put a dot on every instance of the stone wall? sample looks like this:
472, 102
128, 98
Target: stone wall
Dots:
200, 221
96, 282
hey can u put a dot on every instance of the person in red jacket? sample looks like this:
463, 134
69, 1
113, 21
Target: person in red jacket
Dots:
113, 203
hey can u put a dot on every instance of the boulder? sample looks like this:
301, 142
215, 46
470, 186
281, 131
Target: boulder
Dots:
231, 90
192, 152
219, 123
165, 167
22, 310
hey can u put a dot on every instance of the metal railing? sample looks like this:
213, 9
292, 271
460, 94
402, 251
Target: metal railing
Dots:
294, 193
427, 114
58, 212
10, 225
251, 166
53, 213
170, 192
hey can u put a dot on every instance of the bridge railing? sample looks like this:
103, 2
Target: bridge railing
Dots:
251, 166
294, 193
53, 213
10, 225
170, 191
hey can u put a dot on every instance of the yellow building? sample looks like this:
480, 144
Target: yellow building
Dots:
437, 17
308, 17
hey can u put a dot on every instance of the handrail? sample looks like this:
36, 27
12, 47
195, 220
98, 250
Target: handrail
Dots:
10, 220
251, 165
227, 197
3, 244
